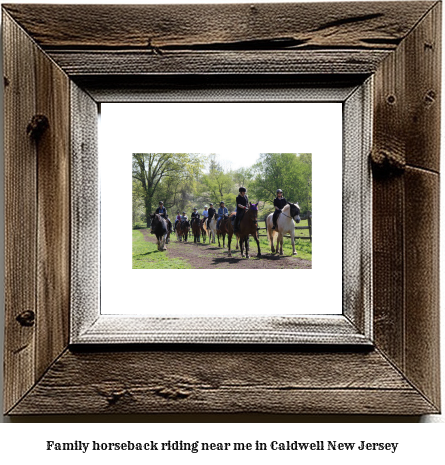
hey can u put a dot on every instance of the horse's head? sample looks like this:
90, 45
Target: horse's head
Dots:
295, 212
253, 209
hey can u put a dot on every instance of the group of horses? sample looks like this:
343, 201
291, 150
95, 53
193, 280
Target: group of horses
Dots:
248, 226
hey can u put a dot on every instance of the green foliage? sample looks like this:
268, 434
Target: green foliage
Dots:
163, 176
187, 180
147, 256
290, 172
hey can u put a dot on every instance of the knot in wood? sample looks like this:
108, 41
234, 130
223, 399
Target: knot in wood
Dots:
26, 318
387, 162
37, 126
391, 99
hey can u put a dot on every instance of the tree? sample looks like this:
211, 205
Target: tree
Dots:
290, 172
162, 175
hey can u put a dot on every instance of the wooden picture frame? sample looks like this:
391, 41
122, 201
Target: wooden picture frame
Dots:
57, 70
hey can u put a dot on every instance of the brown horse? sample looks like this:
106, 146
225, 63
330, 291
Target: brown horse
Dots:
203, 227
248, 226
196, 229
223, 229
182, 230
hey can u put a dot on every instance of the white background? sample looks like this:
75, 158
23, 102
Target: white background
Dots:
25, 443
241, 131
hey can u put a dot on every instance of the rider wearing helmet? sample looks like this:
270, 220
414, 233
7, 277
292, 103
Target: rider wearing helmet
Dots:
241, 206
279, 203
178, 218
222, 211
162, 211
212, 211
194, 216
205, 214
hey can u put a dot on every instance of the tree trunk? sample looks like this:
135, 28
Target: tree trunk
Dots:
148, 210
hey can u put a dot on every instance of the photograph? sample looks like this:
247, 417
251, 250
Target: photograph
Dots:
193, 210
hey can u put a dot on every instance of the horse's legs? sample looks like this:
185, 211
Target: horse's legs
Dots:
241, 246
237, 242
229, 242
258, 245
294, 252
247, 247
281, 245
270, 234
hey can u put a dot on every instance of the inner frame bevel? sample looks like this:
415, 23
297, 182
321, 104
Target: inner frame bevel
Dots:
353, 327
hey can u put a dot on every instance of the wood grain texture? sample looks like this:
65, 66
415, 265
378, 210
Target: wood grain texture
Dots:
422, 323
398, 42
85, 210
406, 132
223, 382
153, 27
118, 62
20, 212
53, 228
423, 91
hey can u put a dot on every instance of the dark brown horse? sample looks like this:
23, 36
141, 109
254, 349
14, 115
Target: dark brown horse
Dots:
182, 230
223, 229
196, 229
248, 227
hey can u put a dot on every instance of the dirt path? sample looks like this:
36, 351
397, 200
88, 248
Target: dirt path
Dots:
207, 256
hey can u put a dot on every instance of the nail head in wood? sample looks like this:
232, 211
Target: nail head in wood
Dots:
37, 126
26, 318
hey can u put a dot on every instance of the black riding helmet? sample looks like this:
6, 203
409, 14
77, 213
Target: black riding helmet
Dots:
221, 203
279, 190
161, 202
242, 189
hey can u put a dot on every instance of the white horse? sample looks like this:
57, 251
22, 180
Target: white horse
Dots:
211, 228
285, 225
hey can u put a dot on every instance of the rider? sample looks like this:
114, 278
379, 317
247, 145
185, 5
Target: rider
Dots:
279, 203
178, 218
212, 211
184, 216
194, 216
222, 211
162, 211
241, 206
205, 214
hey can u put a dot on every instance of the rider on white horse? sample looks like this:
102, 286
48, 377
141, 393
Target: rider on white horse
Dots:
279, 203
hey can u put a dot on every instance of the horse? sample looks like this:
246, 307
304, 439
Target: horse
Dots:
159, 227
196, 230
182, 230
211, 228
285, 225
203, 229
223, 230
248, 226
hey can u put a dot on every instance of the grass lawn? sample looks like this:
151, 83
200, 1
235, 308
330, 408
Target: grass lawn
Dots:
147, 256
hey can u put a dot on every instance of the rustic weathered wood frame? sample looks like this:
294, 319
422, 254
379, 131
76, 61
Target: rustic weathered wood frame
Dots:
95, 53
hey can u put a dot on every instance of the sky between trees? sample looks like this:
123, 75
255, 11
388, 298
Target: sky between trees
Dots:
187, 180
